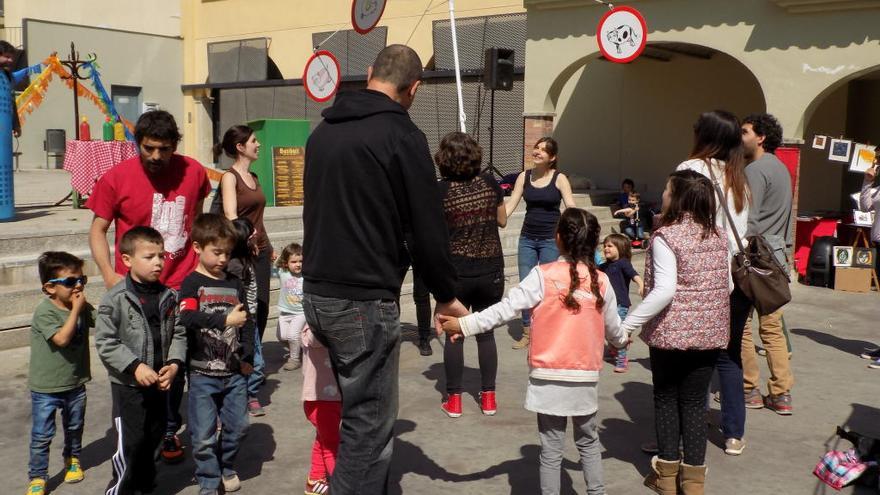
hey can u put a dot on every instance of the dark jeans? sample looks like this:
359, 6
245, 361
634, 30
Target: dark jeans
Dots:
73, 411
422, 300
363, 338
256, 379
476, 293
730, 370
212, 398
681, 379
139, 419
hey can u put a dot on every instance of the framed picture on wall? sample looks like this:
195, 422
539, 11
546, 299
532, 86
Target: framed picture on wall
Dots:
839, 150
862, 158
863, 257
820, 142
843, 255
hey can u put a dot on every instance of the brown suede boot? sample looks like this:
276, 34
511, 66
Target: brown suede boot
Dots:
524, 341
662, 478
693, 478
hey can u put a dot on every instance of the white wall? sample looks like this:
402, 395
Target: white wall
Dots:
151, 62
616, 121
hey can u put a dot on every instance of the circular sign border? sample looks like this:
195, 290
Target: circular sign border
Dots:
642, 43
306, 72
354, 23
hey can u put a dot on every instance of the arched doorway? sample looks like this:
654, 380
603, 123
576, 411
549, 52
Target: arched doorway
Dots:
848, 108
635, 121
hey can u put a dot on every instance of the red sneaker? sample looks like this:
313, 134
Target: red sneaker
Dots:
172, 451
487, 402
452, 406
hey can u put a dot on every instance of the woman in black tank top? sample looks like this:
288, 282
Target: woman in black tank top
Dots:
544, 188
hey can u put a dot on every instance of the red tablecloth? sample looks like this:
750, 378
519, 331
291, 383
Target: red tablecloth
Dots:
87, 161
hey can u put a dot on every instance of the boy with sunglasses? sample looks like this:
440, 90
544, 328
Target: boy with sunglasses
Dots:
59, 366
143, 348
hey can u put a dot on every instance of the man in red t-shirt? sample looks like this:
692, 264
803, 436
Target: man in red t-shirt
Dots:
160, 189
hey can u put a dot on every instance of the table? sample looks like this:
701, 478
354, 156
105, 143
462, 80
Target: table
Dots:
87, 161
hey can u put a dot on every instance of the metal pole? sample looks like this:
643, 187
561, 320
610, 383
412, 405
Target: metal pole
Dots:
75, 56
461, 115
492, 130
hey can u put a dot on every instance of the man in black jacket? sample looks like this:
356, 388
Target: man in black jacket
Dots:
368, 180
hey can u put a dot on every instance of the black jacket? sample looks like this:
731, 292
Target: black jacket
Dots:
369, 186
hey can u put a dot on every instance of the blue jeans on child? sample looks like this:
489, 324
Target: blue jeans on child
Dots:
211, 398
530, 253
255, 380
73, 412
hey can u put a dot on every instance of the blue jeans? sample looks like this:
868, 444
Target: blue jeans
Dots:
255, 380
622, 311
73, 412
634, 231
530, 253
730, 371
211, 398
363, 338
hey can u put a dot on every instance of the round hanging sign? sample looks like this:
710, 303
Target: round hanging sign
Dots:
322, 76
365, 14
622, 34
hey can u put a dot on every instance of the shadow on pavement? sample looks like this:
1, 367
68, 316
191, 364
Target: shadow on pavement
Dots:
409, 458
849, 346
522, 473
622, 437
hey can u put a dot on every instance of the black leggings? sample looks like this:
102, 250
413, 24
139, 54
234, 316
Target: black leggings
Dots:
263, 271
476, 293
681, 383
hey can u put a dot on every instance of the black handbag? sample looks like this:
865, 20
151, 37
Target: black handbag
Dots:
217, 202
755, 269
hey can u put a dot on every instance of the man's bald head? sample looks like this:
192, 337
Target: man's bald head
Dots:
398, 65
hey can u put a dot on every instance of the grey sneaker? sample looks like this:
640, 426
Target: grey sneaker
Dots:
208, 491
754, 400
870, 354
254, 408
231, 483
780, 404
292, 364
734, 446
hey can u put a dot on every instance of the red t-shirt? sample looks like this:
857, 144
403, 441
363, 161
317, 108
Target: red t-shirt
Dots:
128, 196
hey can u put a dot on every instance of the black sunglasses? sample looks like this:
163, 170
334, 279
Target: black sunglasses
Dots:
69, 282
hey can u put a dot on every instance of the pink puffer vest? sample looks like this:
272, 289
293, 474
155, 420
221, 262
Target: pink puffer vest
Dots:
699, 315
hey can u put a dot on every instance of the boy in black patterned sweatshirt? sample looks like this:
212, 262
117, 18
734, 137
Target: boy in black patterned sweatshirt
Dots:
220, 336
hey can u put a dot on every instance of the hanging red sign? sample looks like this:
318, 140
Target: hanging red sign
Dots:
622, 34
321, 76
365, 14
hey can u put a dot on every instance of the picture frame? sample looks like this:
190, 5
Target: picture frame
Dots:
820, 142
862, 157
863, 257
843, 255
863, 218
840, 150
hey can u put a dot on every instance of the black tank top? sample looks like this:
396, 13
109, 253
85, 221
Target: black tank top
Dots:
542, 208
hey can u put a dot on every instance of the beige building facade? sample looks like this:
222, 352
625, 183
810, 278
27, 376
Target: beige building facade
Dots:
813, 64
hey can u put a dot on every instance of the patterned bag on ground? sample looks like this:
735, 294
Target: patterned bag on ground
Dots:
838, 469
755, 269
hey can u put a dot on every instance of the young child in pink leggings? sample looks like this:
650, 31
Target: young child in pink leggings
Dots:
322, 403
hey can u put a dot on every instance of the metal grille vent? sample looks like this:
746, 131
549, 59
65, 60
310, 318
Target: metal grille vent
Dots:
354, 51
237, 61
475, 34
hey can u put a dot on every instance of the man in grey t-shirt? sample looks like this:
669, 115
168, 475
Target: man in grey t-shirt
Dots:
770, 217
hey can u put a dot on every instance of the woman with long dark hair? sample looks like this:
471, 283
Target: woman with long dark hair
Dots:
719, 155
243, 197
544, 188
474, 207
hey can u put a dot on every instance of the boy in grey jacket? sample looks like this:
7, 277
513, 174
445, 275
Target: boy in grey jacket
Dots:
142, 346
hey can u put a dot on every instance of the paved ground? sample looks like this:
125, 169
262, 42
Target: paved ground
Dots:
476, 454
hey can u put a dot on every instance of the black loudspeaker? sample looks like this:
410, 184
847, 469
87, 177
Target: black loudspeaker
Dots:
820, 267
498, 71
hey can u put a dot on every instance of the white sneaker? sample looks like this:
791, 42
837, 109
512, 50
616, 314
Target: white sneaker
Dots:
734, 446
231, 483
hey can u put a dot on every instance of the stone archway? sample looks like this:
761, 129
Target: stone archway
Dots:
846, 108
635, 120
